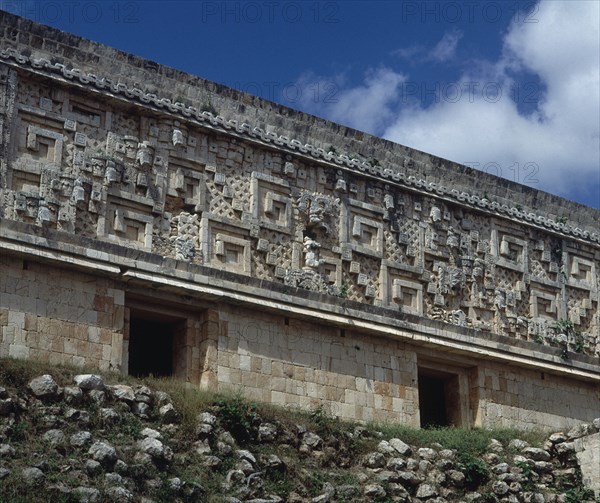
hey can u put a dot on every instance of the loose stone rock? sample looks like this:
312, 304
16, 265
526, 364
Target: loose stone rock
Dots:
557, 438
141, 409
517, 444
267, 432
97, 396
43, 387
427, 453
402, 448
384, 447
6, 451
312, 440
500, 488
168, 414
122, 392
93, 467
86, 494
426, 491
119, 494
374, 491
89, 382
536, 454
33, 476
103, 452
207, 418
72, 394
374, 460
80, 439
54, 437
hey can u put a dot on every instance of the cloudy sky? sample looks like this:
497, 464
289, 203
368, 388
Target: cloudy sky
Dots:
509, 87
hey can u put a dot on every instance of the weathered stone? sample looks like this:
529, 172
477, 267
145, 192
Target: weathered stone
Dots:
119, 494
97, 396
86, 494
7, 406
92, 467
6, 451
267, 432
72, 395
109, 415
312, 440
495, 446
103, 452
374, 460
89, 382
500, 488
43, 387
500, 468
247, 455
543, 466
54, 437
426, 491
204, 430
374, 491
402, 448
456, 477
202, 447
536, 454
254, 196
557, 438
207, 418
168, 414
155, 448
396, 464
384, 447
141, 409
409, 478
517, 444
245, 466
150, 433
579, 431
122, 392
33, 476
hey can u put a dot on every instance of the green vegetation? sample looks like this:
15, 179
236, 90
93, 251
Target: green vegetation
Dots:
339, 461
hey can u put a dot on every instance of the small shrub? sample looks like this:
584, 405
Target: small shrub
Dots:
324, 422
476, 473
238, 416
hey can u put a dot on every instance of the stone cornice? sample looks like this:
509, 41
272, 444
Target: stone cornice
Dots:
294, 146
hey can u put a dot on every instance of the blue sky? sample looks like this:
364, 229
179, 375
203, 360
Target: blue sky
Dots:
509, 87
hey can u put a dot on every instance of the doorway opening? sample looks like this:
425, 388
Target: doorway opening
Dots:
154, 344
439, 399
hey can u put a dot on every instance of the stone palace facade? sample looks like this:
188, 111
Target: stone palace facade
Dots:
154, 222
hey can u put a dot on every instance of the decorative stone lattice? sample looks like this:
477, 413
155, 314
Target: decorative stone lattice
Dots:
203, 189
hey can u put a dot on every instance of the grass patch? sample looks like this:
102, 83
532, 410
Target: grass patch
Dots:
469, 441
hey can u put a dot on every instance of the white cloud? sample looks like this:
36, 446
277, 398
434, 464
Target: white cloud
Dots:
369, 107
445, 49
561, 137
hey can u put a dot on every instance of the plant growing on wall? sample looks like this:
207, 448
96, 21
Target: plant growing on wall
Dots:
565, 332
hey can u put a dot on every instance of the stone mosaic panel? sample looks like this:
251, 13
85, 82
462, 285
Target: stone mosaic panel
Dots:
209, 192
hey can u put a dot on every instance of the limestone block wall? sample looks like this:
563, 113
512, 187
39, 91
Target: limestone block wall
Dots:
289, 362
58, 315
386, 255
532, 399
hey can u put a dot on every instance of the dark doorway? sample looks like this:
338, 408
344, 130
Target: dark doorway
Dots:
151, 345
432, 401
